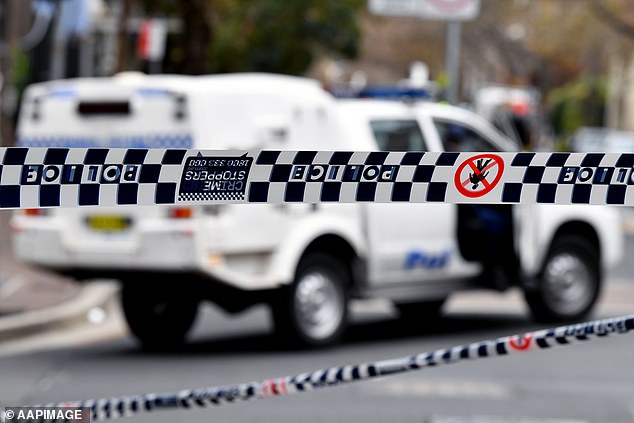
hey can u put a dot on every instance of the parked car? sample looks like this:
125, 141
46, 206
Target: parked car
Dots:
305, 261
589, 139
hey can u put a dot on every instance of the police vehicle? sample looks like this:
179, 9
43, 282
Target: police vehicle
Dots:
305, 261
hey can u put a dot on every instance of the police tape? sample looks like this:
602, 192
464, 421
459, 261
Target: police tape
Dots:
108, 408
70, 177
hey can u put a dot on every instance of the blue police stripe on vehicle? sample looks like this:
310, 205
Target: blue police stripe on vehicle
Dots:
63, 93
153, 92
153, 141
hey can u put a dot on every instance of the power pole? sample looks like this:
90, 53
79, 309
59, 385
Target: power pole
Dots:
452, 60
122, 36
8, 94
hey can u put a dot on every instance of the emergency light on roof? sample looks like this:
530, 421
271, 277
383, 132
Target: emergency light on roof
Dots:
62, 93
395, 93
383, 92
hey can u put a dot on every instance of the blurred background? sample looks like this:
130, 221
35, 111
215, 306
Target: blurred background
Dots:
574, 58
551, 74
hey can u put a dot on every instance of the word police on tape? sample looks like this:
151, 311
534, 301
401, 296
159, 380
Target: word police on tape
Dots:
63, 177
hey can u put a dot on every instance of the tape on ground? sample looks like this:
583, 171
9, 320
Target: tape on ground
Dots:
63, 177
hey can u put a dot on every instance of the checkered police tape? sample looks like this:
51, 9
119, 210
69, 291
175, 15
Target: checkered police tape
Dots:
63, 177
108, 408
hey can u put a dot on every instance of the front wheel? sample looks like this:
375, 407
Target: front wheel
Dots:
158, 316
313, 310
569, 283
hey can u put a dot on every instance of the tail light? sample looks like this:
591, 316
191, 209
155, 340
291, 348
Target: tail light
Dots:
180, 213
35, 212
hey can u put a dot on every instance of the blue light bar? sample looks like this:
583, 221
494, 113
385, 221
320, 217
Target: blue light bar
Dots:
394, 93
62, 93
153, 92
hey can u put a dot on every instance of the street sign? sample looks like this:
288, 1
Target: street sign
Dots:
151, 40
454, 10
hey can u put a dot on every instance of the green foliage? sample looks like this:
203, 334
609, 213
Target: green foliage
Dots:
578, 103
160, 7
281, 36
265, 35
21, 63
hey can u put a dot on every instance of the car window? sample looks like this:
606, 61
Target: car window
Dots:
398, 135
457, 136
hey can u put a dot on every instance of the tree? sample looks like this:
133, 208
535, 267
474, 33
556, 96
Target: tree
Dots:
618, 17
615, 16
282, 36
264, 35
188, 52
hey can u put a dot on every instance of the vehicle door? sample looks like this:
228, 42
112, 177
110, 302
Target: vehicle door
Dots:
485, 233
409, 242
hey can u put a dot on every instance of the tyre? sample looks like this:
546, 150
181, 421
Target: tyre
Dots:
569, 282
422, 312
313, 310
157, 315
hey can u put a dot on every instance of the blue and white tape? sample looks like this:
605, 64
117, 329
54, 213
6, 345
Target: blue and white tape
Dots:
63, 177
109, 408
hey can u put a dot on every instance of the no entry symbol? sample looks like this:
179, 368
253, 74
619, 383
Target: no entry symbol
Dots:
478, 175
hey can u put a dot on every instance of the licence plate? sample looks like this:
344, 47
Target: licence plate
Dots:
108, 223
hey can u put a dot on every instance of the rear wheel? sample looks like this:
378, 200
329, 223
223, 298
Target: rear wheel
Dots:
313, 311
569, 283
157, 315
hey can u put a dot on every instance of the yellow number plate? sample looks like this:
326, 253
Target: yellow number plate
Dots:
108, 223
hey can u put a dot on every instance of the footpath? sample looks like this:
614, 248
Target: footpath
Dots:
34, 301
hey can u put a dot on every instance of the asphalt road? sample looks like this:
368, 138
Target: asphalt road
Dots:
585, 383
591, 382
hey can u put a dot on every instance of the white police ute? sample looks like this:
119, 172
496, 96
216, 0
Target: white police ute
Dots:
305, 261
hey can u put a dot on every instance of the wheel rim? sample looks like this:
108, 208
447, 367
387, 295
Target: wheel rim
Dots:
568, 285
319, 306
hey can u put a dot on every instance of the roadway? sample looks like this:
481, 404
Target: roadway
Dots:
591, 382
585, 383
